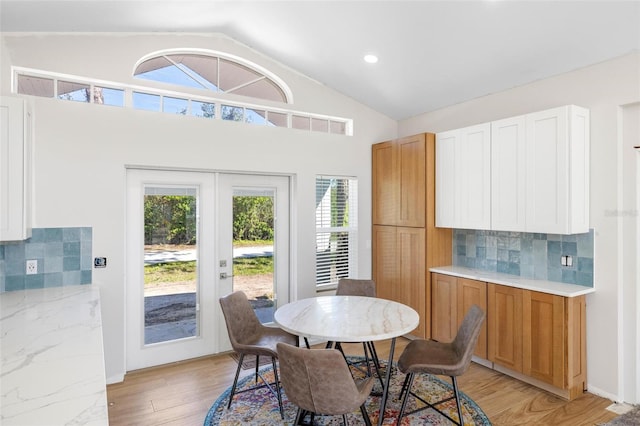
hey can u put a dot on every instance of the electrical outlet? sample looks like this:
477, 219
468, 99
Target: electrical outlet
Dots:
32, 267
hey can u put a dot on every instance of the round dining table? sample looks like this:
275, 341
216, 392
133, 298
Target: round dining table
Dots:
350, 319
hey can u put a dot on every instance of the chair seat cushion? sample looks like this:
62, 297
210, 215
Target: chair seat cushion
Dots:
264, 343
429, 356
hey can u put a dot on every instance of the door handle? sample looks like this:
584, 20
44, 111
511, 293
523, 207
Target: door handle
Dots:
224, 276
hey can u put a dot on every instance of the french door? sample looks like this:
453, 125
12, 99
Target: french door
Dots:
181, 258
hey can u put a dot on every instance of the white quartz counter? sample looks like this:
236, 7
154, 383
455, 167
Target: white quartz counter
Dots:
52, 357
551, 287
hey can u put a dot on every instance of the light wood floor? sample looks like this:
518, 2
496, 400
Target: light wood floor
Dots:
182, 393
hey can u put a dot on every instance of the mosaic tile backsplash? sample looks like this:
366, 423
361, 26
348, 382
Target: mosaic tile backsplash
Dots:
63, 255
527, 255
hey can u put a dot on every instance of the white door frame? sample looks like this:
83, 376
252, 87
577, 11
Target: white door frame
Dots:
279, 186
139, 355
215, 192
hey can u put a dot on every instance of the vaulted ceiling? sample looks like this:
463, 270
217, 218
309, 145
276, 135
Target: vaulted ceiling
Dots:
431, 53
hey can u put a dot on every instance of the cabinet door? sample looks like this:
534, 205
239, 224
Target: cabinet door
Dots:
576, 346
504, 313
469, 293
508, 159
547, 171
445, 178
579, 157
15, 170
385, 264
544, 337
385, 185
444, 307
473, 177
411, 171
412, 273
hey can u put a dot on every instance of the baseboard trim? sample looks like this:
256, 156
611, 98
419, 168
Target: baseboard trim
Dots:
117, 378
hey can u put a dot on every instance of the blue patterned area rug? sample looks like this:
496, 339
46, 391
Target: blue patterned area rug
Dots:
260, 407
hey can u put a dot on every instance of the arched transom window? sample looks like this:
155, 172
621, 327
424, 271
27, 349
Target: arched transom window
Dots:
214, 72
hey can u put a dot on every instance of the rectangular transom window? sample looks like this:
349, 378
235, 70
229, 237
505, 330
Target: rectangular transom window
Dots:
336, 229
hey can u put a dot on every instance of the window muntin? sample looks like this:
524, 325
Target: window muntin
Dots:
336, 229
211, 73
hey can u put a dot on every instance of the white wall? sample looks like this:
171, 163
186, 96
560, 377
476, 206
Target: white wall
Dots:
603, 88
81, 151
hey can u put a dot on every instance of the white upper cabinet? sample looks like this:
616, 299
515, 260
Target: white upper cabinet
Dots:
446, 178
463, 178
557, 171
15, 169
528, 173
473, 177
508, 157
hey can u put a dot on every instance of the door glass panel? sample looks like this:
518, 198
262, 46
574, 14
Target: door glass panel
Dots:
170, 264
253, 254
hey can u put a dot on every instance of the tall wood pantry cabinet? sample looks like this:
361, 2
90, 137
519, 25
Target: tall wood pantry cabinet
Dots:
406, 242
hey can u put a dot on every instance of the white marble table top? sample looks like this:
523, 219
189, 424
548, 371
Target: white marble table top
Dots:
52, 358
347, 318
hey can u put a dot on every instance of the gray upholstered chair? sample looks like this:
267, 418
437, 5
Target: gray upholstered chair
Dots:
356, 287
318, 381
446, 359
366, 288
249, 337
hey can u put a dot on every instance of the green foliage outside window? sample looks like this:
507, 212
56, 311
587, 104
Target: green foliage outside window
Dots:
169, 219
252, 218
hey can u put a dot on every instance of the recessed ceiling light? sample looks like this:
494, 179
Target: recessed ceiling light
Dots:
372, 59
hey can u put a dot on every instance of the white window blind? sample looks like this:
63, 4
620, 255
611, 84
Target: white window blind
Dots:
336, 229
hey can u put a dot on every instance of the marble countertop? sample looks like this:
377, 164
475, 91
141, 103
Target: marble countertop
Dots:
543, 286
52, 357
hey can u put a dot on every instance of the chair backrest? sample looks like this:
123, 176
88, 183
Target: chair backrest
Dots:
319, 380
355, 287
242, 322
467, 337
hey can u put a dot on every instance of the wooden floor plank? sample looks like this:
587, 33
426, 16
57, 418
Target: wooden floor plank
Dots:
180, 394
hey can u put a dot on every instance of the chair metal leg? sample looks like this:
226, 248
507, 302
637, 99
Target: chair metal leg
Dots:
365, 415
235, 381
376, 361
299, 416
406, 395
403, 389
455, 392
374, 353
277, 384
257, 365
344, 420
366, 358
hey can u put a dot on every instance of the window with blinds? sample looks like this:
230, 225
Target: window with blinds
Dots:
336, 229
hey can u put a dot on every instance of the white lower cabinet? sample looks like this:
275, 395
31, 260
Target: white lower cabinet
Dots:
15, 169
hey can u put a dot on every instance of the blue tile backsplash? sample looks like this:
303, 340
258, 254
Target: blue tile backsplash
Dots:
526, 254
63, 256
